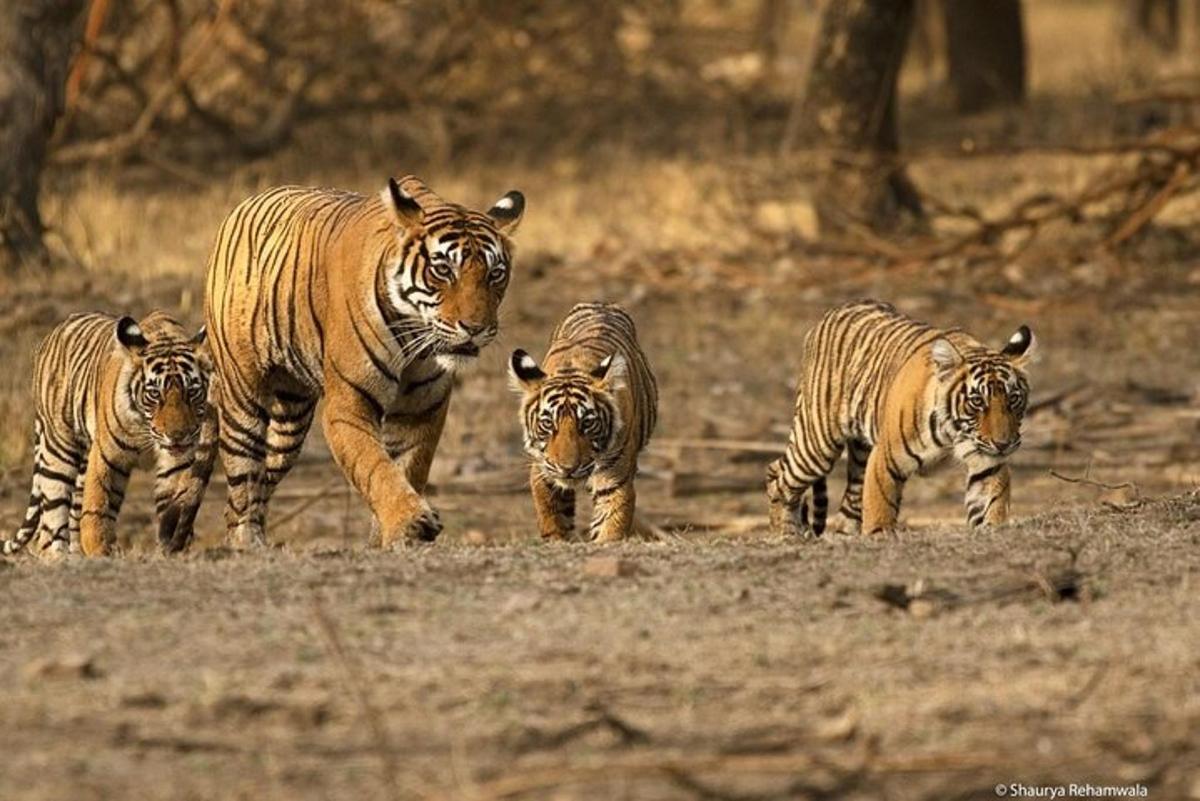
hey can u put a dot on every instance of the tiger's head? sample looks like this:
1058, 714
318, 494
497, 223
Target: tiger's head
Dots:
570, 419
452, 270
985, 393
169, 385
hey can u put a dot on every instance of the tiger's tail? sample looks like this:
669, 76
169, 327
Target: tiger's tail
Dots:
820, 503
33, 516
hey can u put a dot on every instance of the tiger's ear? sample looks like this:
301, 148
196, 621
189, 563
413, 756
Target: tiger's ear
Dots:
201, 336
1021, 347
524, 371
408, 212
946, 358
612, 371
130, 335
506, 212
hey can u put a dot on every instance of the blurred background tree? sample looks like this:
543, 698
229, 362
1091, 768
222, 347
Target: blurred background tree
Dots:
189, 86
985, 51
37, 38
849, 111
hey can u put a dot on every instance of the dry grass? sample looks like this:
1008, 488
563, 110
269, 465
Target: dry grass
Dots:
496, 669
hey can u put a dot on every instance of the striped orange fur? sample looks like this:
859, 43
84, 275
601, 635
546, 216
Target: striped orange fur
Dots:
111, 394
369, 302
586, 414
899, 396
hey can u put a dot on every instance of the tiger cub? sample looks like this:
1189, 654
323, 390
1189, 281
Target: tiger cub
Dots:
899, 396
587, 413
111, 394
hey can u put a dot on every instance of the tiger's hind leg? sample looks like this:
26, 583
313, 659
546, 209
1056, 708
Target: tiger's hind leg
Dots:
554, 506
76, 510
988, 487
243, 446
290, 418
58, 471
57, 465
848, 520
809, 458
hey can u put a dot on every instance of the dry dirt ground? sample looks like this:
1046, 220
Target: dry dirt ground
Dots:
1060, 650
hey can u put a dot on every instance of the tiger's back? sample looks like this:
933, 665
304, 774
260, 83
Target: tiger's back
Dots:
266, 296
851, 359
590, 333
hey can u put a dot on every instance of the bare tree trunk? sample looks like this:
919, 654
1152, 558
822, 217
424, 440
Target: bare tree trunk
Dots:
985, 51
849, 111
1155, 22
36, 41
768, 31
927, 47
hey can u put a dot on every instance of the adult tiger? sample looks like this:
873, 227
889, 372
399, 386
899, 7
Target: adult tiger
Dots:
899, 396
110, 394
586, 416
372, 302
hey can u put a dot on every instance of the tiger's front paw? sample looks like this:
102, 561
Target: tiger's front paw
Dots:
55, 550
247, 536
175, 531
842, 524
424, 526
789, 521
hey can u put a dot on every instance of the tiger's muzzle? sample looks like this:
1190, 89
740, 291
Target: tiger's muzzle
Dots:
568, 472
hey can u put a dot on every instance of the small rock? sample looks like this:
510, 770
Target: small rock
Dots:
1121, 498
609, 567
521, 602
841, 728
476, 537
794, 217
146, 700
921, 608
75, 666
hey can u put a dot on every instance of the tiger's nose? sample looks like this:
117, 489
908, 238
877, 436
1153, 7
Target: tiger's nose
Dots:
472, 329
1005, 445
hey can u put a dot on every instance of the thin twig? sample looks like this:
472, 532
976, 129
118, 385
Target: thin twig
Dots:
357, 684
523, 782
1093, 483
1140, 218
324, 492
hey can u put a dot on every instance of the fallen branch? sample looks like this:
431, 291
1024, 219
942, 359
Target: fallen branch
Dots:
1093, 483
128, 142
1169, 161
538, 740
523, 782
